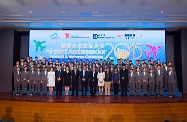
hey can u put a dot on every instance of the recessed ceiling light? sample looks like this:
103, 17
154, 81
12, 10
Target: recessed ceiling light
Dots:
30, 12
162, 11
129, 11
95, 12
62, 12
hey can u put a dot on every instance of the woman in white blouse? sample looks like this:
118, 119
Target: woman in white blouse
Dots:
51, 80
101, 77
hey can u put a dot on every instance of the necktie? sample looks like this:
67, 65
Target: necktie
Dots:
83, 73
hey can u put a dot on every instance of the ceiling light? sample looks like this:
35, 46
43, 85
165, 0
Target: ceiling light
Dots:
128, 11
95, 12
62, 12
162, 11
30, 12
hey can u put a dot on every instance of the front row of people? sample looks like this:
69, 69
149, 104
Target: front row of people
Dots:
137, 80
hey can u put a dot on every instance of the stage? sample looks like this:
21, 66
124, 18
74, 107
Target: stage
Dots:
92, 109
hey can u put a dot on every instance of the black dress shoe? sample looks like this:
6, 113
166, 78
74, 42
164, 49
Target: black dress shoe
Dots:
76, 94
82, 95
72, 95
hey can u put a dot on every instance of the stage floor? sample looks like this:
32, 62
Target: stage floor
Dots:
92, 99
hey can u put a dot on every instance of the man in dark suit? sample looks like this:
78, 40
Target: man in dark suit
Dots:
59, 79
151, 82
75, 80
24, 78
44, 80
159, 80
132, 82
84, 80
144, 77
138, 79
171, 81
31, 80
17, 80
93, 81
37, 80
124, 79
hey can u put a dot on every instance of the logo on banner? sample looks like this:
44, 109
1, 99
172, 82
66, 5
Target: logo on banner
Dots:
54, 36
67, 35
129, 36
101, 36
38, 45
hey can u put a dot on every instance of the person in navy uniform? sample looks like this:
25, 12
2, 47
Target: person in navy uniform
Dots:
59, 79
75, 79
84, 80
93, 81
124, 80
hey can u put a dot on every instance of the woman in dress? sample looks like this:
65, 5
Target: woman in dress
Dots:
108, 79
51, 80
67, 80
101, 77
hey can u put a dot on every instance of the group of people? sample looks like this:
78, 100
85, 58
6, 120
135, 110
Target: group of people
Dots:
96, 75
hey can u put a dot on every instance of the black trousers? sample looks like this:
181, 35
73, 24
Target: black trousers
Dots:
124, 85
59, 87
84, 87
93, 88
116, 88
75, 86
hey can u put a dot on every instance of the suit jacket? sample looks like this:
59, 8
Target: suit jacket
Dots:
24, 75
17, 76
32, 76
86, 75
159, 78
151, 78
144, 77
137, 77
131, 78
38, 76
15, 68
124, 73
59, 74
75, 77
91, 76
171, 76
44, 76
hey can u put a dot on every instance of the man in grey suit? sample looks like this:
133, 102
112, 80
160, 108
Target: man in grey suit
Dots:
144, 77
44, 80
24, 80
17, 80
132, 82
171, 81
138, 81
37, 81
159, 80
31, 80
151, 82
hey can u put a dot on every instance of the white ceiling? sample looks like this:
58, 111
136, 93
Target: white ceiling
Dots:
93, 13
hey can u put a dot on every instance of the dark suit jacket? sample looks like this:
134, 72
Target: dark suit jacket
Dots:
16, 76
75, 77
151, 78
86, 75
91, 76
43, 76
131, 78
59, 74
38, 77
31, 76
124, 73
159, 78
171, 77
137, 77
